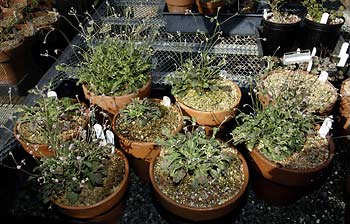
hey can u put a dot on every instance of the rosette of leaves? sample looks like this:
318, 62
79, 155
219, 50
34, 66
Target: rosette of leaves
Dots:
146, 119
82, 172
141, 111
115, 67
277, 131
195, 156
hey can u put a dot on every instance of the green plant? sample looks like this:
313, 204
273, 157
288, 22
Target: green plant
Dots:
141, 111
50, 120
147, 119
115, 64
278, 14
193, 155
198, 81
316, 8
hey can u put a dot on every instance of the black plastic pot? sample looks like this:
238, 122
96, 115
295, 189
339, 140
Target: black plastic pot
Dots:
322, 36
279, 38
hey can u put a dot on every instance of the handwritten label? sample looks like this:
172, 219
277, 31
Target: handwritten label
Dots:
324, 18
326, 126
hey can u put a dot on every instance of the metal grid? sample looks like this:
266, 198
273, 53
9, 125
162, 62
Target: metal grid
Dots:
242, 53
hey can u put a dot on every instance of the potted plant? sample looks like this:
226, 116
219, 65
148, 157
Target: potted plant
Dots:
86, 177
179, 6
113, 70
209, 7
283, 142
306, 90
323, 36
198, 178
344, 107
202, 89
139, 124
280, 27
49, 121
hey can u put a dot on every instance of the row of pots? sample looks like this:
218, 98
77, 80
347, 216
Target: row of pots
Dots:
270, 171
304, 34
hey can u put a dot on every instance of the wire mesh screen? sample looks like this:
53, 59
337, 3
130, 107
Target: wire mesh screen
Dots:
242, 52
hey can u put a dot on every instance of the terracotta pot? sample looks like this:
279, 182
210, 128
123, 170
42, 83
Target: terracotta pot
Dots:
344, 108
287, 176
36, 149
209, 7
179, 6
40, 150
32, 16
214, 118
7, 13
113, 104
141, 154
327, 110
13, 63
102, 207
195, 214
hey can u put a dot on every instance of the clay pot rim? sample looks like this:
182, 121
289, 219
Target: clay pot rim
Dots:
119, 135
115, 192
331, 149
213, 208
235, 105
149, 82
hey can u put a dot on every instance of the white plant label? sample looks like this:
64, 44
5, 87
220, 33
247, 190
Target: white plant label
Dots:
326, 126
323, 76
265, 14
110, 137
324, 18
309, 65
52, 94
166, 101
110, 140
99, 134
343, 49
343, 60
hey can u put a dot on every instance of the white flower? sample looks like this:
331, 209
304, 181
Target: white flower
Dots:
78, 157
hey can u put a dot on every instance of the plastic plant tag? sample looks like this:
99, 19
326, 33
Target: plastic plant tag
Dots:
309, 65
326, 126
323, 76
343, 60
99, 134
166, 101
110, 137
110, 140
296, 57
265, 14
324, 18
343, 49
52, 94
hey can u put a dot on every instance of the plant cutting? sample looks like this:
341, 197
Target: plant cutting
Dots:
305, 90
113, 70
198, 178
49, 121
201, 88
322, 33
283, 142
280, 27
139, 124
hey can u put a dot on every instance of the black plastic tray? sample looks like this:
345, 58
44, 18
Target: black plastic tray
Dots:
231, 23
